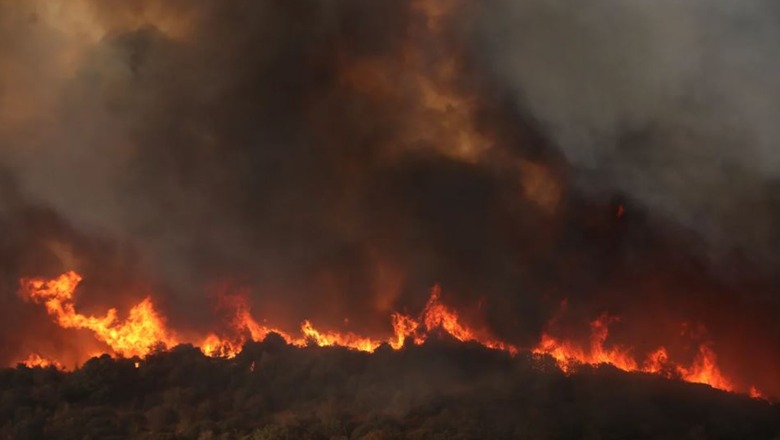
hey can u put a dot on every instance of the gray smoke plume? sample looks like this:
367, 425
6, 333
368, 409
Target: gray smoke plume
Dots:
673, 103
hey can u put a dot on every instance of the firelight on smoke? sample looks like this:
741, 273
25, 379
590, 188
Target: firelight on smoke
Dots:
144, 331
361, 141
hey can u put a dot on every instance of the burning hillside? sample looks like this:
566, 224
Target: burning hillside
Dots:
590, 186
144, 332
440, 389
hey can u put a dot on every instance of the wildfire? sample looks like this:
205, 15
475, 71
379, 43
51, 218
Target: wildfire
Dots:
568, 355
756, 394
142, 331
403, 327
435, 316
35, 360
327, 339
705, 370
241, 326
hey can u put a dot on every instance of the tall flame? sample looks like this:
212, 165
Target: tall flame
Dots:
438, 316
142, 331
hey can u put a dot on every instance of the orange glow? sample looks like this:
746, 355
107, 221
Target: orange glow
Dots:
656, 361
35, 360
438, 316
435, 316
214, 346
241, 327
540, 185
756, 394
568, 355
403, 327
142, 331
441, 113
705, 370
327, 339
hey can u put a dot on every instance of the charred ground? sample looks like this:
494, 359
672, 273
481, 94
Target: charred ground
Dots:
441, 389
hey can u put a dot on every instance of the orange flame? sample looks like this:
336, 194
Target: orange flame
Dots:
214, 346
242, 326
35, 360
403, 327
568, 355
705, 370
327, 339
142, 331
435, 316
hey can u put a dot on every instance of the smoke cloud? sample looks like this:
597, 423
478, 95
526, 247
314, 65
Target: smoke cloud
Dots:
672, 103
339, 158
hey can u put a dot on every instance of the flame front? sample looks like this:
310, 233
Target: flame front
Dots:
436, 316
568, 355
142, 331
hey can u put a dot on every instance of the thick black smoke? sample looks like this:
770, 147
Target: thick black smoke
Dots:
292, 147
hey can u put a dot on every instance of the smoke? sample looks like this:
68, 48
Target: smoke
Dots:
340, 158
248, 143
673, 103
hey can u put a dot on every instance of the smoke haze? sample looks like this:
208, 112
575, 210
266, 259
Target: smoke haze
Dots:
336, 159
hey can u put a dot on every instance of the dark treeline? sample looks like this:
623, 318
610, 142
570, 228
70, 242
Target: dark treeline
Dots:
441, 390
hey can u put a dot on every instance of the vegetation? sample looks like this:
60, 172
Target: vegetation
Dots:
441, 390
